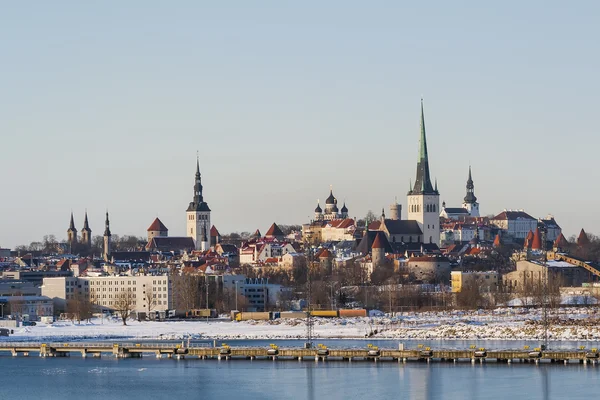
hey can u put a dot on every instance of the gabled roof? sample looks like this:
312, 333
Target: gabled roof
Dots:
400, 227
582, 239
274, 231
341, 223
512, 215
171, 243
256, 234
214, 231
157, 225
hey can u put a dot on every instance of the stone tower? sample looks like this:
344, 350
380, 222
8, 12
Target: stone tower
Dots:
378, 250
86, 233
395, 210
198, 213
72, 235
470, 203
107, 235
423, 199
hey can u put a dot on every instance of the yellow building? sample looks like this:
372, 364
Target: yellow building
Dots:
487, 281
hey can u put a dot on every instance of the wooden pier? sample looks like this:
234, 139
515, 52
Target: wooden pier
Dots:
318, 354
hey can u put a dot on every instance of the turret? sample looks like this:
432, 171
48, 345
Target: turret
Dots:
378, 250
395, 211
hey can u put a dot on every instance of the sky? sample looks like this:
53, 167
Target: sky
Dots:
104, 105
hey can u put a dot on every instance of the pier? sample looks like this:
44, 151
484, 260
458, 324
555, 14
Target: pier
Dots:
319, 354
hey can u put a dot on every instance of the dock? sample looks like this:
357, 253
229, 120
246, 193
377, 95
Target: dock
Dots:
320, 353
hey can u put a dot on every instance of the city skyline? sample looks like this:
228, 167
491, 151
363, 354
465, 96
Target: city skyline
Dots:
112, 119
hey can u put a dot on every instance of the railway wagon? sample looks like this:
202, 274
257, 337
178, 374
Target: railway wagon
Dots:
353, 313
257, 316
292, 314
324, 313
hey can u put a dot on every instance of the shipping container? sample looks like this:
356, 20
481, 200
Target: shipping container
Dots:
353, 313
292, 314
324, 313
258, 316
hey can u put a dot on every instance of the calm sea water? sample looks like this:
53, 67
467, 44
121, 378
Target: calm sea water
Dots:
150, 378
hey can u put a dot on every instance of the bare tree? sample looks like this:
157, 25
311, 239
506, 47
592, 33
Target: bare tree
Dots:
124, 303
150, 298
187, 292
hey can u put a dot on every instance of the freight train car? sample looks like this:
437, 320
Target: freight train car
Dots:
353, 313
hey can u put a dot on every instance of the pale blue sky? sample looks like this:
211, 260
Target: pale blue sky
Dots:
104, 104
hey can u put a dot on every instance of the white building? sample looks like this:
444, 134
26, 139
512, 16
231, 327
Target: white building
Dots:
104, 291
516, 224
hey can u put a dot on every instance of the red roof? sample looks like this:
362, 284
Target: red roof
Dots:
529, 239
341, 223
536, 243
497, 242
157, 225
324, 254
274, 231
377, 242
561, 242
582, 239
214, 231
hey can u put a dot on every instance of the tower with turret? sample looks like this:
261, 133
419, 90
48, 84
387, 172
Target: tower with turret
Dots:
107, 235
470, 203
72, 234
86, 233
423, 199
198, 214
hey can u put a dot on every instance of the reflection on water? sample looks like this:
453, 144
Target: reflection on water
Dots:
108, 378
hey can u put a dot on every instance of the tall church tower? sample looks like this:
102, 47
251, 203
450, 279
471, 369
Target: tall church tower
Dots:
72, 235
107, 235
86, 233
198, 214
470, 203
423, 198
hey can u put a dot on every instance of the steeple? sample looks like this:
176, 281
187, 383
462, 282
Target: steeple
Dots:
198, 203
72, 224
470, 197
107, 240
107, 226
72, 234
86, 225
423, 181
86, 232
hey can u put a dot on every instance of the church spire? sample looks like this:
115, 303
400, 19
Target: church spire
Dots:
72, 224
423, 181
198, 203
86, 225
107, 226
470, 197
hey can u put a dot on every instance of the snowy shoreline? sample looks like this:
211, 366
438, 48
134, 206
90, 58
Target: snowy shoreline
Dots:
509, 325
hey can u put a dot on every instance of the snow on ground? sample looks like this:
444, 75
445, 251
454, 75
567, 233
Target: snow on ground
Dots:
506, 324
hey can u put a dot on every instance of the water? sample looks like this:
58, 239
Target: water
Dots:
151, 378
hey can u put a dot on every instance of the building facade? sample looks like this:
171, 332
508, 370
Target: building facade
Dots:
104, 291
